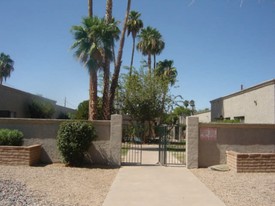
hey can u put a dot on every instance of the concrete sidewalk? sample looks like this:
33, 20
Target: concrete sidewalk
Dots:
158, 186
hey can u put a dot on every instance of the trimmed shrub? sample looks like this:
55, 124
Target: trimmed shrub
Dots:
73, 140
11, 137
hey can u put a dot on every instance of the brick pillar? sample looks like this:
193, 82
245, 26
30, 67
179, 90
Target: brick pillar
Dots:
115, 140
192, 142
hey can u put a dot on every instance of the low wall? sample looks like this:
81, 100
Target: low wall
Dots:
251, 162
207, 143
44, 132
20, 155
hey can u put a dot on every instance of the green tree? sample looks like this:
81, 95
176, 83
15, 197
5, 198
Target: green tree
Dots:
141, 97
186, 103
168, 73
150, 43
134, 25
182, 111
93, 42
6, 67
159, 45
192, 104
82, 111
41, 109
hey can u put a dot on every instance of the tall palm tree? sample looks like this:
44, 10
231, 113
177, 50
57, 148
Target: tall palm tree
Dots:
115, 77
106, 75
150, 43
167, 70
168, 73
93, 40
6, 67
159, 45
134, 25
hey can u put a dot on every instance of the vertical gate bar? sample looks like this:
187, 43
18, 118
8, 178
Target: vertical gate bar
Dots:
165, 145
140, 154
131, 151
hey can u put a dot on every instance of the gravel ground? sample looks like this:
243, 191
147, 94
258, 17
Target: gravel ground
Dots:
54, 185
240, 189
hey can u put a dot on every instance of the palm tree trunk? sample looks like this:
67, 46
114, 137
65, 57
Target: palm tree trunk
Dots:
132, 58
93, 95
154, 61
90, 8
105, 97
119, 58
109, 11
93, 80
106, 76
149, 64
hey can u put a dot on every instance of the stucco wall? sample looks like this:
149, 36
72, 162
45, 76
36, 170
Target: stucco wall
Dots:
44, 132
256, 104
243, 138
209, 142
204, 117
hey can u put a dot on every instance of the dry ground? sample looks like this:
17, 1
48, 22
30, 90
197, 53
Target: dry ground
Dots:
63, 185
240, 189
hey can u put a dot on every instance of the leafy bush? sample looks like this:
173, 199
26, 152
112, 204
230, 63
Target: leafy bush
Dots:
73, 140
11, 137
41, 109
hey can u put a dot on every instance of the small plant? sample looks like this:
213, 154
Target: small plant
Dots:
73, 140
11, 137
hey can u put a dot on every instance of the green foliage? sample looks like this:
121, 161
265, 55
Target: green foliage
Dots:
41, 109
173, 117
143, 96
11, 137
73, 140
229, 121
83, 110
182, 111
6, 67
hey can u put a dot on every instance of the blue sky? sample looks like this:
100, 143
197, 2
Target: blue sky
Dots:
216, 45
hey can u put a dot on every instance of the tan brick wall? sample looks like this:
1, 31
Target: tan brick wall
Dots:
20, 155
251, 162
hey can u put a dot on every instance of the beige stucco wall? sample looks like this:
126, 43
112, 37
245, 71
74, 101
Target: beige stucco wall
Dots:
207, 143
257, 105
44, 132
204, 117
243, 138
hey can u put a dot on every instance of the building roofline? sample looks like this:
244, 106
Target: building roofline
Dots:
255, 87
23, 92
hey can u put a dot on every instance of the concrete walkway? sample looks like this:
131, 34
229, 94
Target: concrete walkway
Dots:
158, 186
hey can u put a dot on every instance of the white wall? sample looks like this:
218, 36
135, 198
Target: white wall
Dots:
257, 105
204, 117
